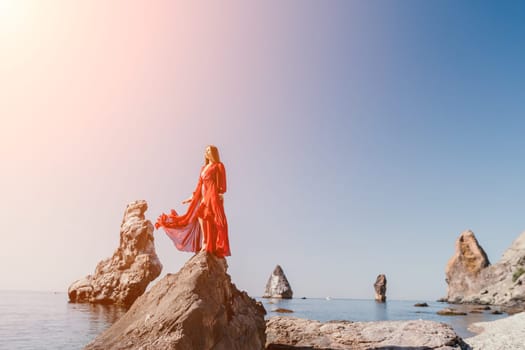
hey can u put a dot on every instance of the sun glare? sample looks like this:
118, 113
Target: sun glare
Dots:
13, 16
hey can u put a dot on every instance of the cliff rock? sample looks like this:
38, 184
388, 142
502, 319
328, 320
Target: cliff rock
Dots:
278, 286
463, 269
124, 277
197, 308
472, 280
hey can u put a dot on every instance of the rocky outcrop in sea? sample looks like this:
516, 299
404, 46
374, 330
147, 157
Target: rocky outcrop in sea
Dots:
124, 277
296, 333
380, 288
197, 308
471, 278
278, 285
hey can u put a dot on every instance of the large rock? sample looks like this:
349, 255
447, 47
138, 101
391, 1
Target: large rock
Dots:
295, 333
197, 308
463, 269
124, 277
471, 279
278, 286
380, 288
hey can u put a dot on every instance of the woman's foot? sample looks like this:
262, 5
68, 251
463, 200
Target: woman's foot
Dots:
203, 249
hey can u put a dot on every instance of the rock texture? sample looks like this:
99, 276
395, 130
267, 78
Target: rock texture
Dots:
505, 334
295, 333
278, 286
471, 279
463, 269
450, 311
124, 277
197, 308
380, 288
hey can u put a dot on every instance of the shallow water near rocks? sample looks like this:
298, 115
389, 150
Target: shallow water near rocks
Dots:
369, 310
45, 320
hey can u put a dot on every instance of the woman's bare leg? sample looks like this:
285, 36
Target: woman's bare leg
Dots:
203, 245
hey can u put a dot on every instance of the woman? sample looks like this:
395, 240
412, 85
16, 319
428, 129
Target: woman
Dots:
205, 215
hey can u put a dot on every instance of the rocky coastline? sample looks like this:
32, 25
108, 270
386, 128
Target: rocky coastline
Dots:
472, 279
200, 308
505, 334
197, 308
295, 333
287, 333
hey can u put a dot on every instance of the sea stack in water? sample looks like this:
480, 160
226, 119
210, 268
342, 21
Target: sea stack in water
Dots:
124, 277
471, 279
380, 288
197, 308
278, 286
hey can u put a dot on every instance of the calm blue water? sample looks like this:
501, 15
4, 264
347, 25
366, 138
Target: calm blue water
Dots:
42, 320
34, 320
369, 310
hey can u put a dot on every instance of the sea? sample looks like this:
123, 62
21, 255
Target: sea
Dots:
47, 321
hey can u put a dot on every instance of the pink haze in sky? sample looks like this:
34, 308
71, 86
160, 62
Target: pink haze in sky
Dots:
342, 127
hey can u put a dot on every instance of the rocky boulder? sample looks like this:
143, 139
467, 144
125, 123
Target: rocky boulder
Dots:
380, 288
471, 279
278, 285
450, 311
197, 308
124, 277
295, 333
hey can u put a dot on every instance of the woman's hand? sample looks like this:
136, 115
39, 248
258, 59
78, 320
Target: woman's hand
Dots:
187, 200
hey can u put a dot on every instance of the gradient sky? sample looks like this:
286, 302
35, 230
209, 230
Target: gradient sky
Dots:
359, 137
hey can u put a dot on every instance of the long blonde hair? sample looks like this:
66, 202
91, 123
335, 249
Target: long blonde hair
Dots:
214, 154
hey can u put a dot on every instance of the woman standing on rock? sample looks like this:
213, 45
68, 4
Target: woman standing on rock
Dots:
205, 215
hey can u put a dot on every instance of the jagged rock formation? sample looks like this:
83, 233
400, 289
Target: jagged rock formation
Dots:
471, 279
380, 288
124, 277
197, 308
296, 333
463, 269
278, 286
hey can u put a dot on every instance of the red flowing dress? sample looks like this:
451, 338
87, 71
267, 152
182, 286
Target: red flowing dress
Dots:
207, 204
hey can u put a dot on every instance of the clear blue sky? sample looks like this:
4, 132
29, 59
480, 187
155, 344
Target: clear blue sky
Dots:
359, 137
